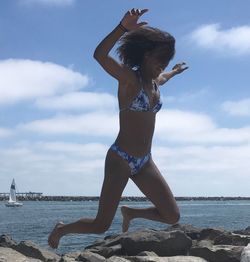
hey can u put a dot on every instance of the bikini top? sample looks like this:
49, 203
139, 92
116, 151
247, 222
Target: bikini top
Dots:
141, 101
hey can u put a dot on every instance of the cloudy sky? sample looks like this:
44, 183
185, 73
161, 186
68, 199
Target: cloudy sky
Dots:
59, 111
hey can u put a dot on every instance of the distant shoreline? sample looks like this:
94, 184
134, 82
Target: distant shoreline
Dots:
125, 198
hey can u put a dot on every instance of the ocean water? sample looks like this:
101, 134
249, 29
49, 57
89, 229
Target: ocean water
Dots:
36, 219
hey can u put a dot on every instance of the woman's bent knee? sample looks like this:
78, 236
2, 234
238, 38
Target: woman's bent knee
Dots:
171, 217
174, 218
100, 227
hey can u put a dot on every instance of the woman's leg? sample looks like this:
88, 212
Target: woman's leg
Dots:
152, 184
115, 179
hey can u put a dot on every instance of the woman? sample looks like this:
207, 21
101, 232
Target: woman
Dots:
148, 50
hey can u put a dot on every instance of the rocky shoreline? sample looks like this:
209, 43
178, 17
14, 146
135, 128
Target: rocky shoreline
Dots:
125, 198
178, 243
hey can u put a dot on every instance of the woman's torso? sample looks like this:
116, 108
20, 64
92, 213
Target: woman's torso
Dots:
137, 127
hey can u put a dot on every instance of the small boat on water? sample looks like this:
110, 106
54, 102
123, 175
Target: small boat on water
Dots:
12, 198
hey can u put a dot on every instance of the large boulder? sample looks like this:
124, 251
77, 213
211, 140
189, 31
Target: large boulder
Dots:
157, 259
70, 257
218, 253
189, 230
245, 255
117, 259
7, 241
245, 231
9, 255
228, 238
30, 249
87, 256
161, 242
107, 251
211, 233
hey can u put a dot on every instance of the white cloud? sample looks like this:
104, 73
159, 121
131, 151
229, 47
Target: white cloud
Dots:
205, 158
90, 150
234, 41
79, 101
4, 132
26, 79
78, 169
205, 170
173, 126
59, 3
188, 127
92, 124
56, 168
237, 108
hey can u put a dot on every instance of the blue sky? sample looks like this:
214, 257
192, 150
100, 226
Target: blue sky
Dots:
59, 111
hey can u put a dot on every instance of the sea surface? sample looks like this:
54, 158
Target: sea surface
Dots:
35, 219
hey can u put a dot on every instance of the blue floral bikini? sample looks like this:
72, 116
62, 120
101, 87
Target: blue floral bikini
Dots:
139, 103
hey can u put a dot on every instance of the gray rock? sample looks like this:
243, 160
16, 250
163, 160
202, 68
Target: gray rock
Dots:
117, 259
245, 231
161, 242
232, 239
30, 249
65, 258
108, 241
7, 241
189, 230
107, 251
10, 255
166, 259
147, 253
218, 253
88, 256
211, 233
70, 257
245, 255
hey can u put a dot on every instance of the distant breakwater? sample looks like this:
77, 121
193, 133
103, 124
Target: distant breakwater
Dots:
124, 198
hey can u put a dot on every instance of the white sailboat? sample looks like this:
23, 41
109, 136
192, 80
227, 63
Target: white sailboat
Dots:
12, 199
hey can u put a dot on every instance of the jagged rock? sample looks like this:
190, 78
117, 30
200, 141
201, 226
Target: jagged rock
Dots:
10, 255
232, 239
87, 256
70, 257
147, 253
245, 255
65, 258
218, 253
30, 249
189, 230
166, 259
161, 242
117, 259
211, 233
107, 251
108, 241
109, 237
7, 241
245, 231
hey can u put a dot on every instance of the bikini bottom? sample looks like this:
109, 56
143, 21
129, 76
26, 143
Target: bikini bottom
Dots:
135, 163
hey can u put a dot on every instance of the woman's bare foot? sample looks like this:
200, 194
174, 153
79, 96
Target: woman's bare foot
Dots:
126, 218
55, 235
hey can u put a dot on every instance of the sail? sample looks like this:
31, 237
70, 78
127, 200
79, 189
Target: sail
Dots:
12, 192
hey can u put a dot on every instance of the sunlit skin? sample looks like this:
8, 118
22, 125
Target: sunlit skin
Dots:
135, 137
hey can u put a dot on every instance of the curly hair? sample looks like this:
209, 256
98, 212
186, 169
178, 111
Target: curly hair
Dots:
134, 44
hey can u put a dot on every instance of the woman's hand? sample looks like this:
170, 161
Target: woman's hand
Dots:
179, 68
130, 19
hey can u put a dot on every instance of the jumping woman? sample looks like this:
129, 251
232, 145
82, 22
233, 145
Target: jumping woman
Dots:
144, 52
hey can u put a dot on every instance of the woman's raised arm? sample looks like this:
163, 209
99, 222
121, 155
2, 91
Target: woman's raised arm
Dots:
101, 54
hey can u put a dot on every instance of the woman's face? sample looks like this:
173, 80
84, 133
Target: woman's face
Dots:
156, 61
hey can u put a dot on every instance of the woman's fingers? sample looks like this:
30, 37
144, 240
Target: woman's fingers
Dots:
144, 11
137, 12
